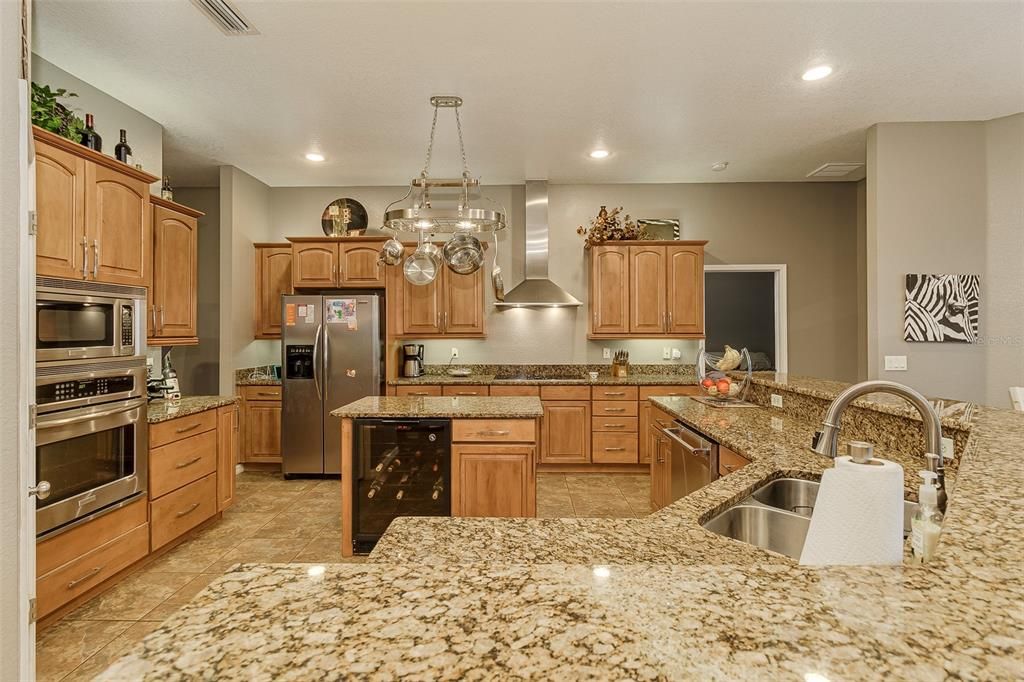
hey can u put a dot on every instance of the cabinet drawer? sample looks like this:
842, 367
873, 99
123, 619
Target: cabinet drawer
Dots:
613, 448
261, 392
185, 508
456, 391
71, 544
730, 461
615, 424
182, 427
494, 430
648, 391
565, 392
172, 466
615, 408
614, 393
63, 584
515, 391
418, 390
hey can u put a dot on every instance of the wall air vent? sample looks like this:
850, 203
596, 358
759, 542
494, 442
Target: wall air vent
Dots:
227, 18
835, 170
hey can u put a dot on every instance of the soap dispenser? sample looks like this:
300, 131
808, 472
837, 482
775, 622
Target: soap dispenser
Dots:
927, 522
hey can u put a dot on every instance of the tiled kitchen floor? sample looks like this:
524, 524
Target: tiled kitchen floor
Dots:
273, 521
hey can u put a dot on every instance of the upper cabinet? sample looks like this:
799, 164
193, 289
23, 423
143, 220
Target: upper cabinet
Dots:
647, 289
273, 280
339, 262
174, 296
452, 305
93, 214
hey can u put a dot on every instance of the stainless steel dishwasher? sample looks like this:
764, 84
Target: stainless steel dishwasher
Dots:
694, 459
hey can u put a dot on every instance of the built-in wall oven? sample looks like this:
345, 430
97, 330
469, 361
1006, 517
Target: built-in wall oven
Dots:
87, 320
91, 439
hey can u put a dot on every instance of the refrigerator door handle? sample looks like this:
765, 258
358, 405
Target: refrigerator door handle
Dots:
316, 362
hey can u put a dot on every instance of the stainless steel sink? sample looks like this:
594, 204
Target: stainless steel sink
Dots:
776, 516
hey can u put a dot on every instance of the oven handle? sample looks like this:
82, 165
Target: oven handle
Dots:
672, 433
121, 407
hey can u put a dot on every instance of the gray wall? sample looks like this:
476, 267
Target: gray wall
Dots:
946, 198
144, 135
198, 367
809, 226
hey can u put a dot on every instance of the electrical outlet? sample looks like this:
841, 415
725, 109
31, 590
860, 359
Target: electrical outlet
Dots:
776, 424
606, 353
666, 353
947, 449
455, 352
676, 354
776, 400
896, 363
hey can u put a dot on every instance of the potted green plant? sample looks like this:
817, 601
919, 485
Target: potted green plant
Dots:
49, 114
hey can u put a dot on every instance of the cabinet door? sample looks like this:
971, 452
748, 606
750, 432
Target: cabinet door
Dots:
463, 311
609, 290
227, 455
263, 431
566, 436
644, 454
647, 290
273, 280
359, 265
421, 305
493, 480
685, 265
314, 264
175, 273
117, 219
60, 213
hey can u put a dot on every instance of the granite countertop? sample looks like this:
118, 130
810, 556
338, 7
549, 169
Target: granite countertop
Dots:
601, 380
469, 407
164, 410
264, 381
657, 597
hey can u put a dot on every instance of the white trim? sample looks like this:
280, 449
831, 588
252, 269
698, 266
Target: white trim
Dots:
781, 307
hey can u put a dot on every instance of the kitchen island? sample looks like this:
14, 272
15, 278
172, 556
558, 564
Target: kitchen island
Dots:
658, 597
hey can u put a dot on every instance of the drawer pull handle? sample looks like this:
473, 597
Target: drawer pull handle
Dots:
493, 433
614, 426
269, 394
729, 467
614, 393
420, 393
92, 573
186, 429
192, 461
468, 393
189, 510
615, 409
615, 449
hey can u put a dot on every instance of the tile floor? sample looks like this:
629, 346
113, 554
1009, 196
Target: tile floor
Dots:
273, 521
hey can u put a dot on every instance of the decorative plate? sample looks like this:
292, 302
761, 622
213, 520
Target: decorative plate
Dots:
343, 216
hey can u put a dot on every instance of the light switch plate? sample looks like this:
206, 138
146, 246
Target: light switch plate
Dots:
666, 353
776, 400
896, 363
606, 353
676, 354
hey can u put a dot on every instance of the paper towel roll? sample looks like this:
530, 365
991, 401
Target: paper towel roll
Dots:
858, 516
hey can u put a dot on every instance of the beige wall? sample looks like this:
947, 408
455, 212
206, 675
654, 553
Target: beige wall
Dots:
144, 135
809, 226
946, 198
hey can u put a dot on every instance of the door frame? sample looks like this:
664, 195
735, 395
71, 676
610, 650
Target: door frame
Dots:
781, 308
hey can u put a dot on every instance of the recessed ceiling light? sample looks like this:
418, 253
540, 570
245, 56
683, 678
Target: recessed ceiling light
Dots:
314, 156
599, 154
817, 73
720, 166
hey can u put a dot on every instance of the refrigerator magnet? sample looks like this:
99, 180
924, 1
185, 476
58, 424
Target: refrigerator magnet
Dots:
289, 314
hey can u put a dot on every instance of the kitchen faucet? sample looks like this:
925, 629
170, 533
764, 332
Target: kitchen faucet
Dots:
826, 439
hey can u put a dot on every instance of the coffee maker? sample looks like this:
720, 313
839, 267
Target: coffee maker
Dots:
412, 360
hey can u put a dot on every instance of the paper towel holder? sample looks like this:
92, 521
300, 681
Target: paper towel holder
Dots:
860, 451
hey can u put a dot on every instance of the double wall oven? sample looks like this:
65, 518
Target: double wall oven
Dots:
91, 429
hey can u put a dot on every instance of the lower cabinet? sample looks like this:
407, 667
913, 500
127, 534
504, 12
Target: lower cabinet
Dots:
493, 467
227, 455
659, 448
182, 510
261, 424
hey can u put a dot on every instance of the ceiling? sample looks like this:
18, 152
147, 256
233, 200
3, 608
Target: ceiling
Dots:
668, 88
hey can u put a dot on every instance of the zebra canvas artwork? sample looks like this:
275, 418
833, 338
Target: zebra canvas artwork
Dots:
942, 308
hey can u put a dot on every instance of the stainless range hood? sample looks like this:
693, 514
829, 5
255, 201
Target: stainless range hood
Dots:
537, 290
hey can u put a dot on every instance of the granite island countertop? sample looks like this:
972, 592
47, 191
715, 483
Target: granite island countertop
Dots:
495, 380
164, 410
465, 407
493, 607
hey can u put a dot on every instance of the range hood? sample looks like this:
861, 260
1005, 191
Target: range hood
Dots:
537, 290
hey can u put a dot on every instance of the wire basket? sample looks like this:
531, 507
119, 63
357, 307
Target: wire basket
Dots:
710, 366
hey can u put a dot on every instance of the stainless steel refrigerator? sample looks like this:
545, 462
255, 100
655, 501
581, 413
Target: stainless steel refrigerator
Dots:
332, 353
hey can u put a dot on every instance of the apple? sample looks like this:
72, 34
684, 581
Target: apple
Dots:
707, 383
723, 386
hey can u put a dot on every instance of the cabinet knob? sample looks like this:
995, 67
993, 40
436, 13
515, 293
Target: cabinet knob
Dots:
41, 490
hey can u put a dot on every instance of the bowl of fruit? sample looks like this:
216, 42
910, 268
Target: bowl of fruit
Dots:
721, 386
713, 373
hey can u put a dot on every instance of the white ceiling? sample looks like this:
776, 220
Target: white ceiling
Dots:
669, 88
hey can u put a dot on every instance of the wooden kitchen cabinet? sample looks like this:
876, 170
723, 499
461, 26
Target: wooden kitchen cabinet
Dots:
647, 289
227, 455
174, 296
261, 424
729, 461
566, 435
659, 448
273, 280
338, 262
452, 305
493, 470
93, 214
646, 408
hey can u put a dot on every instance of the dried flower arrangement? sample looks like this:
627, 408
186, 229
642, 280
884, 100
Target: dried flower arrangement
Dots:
609, 226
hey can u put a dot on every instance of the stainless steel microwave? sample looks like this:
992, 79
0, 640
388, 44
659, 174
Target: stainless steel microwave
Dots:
87, 320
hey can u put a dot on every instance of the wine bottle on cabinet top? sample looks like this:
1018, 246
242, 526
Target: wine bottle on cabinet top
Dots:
165, 190
122, 152
90, 138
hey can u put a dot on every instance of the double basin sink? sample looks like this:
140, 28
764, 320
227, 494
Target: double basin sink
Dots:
777, 515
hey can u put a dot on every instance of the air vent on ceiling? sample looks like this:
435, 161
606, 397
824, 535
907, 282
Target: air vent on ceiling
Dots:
834, 170
227, 18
